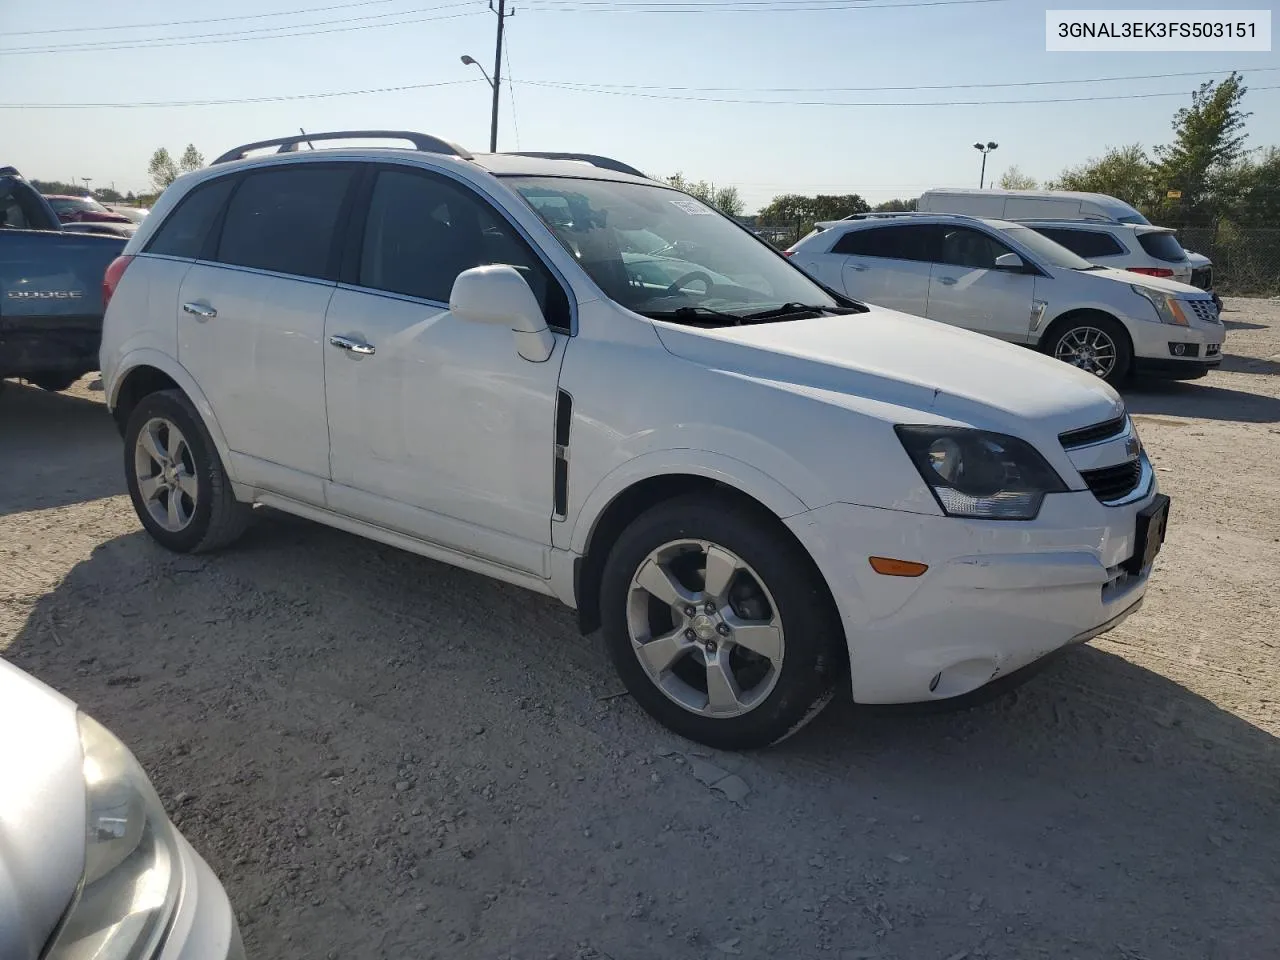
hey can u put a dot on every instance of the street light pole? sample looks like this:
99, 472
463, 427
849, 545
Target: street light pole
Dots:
984, 148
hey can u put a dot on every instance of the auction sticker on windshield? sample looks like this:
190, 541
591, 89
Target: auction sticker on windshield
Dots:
692, 206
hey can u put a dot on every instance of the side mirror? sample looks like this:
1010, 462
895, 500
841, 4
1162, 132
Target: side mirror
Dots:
1009, 261
497, 294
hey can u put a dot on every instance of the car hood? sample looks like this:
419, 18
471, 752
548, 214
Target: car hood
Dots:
884, 357
42, 811
1160, 284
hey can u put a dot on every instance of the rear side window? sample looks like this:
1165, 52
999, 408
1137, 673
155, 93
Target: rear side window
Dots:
1162, 246
423, 230
1084, 243
184, 232
284, 220
893, 243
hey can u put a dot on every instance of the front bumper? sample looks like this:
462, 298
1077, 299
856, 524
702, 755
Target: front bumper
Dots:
203, 926
1155, 346
998, 595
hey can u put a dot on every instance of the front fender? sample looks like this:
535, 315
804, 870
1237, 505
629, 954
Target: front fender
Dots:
690, 462
149, 357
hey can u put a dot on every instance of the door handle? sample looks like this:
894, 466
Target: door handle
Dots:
200, 311
857, 266
949, 281
358, 347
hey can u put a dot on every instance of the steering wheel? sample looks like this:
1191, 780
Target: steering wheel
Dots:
679, 284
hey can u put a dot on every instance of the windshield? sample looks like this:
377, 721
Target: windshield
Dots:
656, 250
1046, 250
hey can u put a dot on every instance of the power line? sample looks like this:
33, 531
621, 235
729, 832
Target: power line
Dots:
511, 94
626, 90
857, 103
547, 6
219, 103
573, 84
347, 26
185, 23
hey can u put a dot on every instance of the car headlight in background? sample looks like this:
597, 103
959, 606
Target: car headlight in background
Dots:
973, 473
1168, 308
132, 874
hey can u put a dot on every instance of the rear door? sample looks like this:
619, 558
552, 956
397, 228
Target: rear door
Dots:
889, 265
967, 290
251, 321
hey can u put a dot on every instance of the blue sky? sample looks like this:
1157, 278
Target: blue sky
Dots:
763, 149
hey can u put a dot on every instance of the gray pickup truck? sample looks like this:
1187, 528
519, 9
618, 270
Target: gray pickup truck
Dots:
50, 289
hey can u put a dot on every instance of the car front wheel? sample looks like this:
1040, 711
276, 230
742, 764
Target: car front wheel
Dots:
719, 624
1096, 344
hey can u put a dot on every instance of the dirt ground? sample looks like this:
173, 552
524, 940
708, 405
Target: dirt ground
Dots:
382, 756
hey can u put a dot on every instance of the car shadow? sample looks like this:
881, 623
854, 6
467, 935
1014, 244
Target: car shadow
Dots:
1238, 364
1099, 796
66, 448
1242, 325
1200, 399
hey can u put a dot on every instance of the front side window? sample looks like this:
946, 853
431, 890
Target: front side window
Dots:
284, 219
655, 250
1045, 250
422, 230
962, 247
185, 231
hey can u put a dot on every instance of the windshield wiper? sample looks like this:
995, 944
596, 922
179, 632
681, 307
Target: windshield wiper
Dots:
787, 309
691, 313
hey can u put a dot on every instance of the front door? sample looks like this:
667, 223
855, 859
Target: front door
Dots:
968, 290
438, 428
251, 322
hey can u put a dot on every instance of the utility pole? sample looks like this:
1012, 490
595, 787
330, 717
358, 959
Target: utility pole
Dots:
502, 13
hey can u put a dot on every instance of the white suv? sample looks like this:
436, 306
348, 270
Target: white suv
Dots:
1136, 247
1008, 281
567, 376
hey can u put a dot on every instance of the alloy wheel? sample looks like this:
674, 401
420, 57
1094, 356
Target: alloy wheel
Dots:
1088, 348
705, 628
165, 468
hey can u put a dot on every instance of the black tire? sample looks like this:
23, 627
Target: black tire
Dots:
813, 658
1123, 367
55, 381
218, 518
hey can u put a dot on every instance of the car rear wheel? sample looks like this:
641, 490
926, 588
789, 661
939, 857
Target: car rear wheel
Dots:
1095, 344
176, 479
719, 624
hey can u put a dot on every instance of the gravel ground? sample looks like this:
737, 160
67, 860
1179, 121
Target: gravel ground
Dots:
382, 756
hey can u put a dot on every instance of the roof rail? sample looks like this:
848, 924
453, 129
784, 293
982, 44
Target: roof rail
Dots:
420, 141
604, 163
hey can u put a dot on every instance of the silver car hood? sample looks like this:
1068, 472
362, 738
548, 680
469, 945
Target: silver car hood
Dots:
42, 812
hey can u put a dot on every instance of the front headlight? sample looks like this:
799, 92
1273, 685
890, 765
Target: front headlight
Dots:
1168, 308
132, 873
973, 473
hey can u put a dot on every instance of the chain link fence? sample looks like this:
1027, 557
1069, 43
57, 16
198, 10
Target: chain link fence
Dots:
1246, 260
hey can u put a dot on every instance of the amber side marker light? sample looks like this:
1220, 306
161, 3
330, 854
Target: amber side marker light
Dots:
897, 568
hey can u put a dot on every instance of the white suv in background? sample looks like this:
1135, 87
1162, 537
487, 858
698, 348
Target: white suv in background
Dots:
1008, 281
1152, 251
570, 377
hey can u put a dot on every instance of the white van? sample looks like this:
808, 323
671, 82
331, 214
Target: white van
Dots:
1028, 205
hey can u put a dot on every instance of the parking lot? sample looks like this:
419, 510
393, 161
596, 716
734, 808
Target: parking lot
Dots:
382, 756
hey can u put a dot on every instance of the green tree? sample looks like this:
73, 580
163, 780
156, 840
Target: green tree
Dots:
162, 170
1015, 179
1208, 139
1121, 172
837, 207
1248, 192
897, 205
192, 159
789, 215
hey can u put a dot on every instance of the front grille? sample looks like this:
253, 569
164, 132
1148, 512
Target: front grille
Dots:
1094, 434
1204, 310
1202, 277
1112, 483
